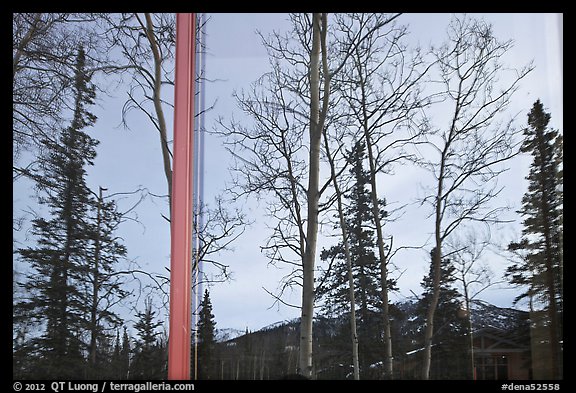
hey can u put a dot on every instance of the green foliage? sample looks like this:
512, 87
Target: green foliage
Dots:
150, 352
542, 209
59, 258
449, 343
120, 361
365, 264
540, 250
69, 289
206, 345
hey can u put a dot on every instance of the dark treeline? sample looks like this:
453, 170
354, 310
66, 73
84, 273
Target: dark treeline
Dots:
271, 353
347, 100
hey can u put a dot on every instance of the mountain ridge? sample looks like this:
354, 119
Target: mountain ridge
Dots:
484, 314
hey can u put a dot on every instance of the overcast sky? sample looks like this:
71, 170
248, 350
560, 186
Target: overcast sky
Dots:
128, 159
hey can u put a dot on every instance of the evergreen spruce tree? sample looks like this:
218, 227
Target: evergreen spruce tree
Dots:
206, 340
71, 285
541, 267
120, 362
124, 368
115, 361
149, 352
450, 350
103, 287
58, 260
365, 265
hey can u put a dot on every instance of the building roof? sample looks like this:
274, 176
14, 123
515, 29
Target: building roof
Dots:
499, 340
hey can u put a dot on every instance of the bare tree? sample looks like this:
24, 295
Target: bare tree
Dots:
472, 273
272, 160
44, 46
317, 119
334, 173
468, 154
381, 88
271, 157
146, 43
217, 232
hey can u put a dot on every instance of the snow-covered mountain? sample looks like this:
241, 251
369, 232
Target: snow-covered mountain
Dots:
271, 352
485, 314
228, 334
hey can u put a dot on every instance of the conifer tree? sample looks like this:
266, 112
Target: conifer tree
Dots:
206, 340
58, 260
104, 288
120, 363
72, 286
449, 351
115, 361
149, 352
541, 265
124, 368
365, 263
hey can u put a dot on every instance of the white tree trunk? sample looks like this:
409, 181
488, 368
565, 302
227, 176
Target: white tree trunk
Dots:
305, 360
353, 330
429, 332
388, 358
162, 127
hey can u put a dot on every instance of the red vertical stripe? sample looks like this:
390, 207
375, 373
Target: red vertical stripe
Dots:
181, 214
